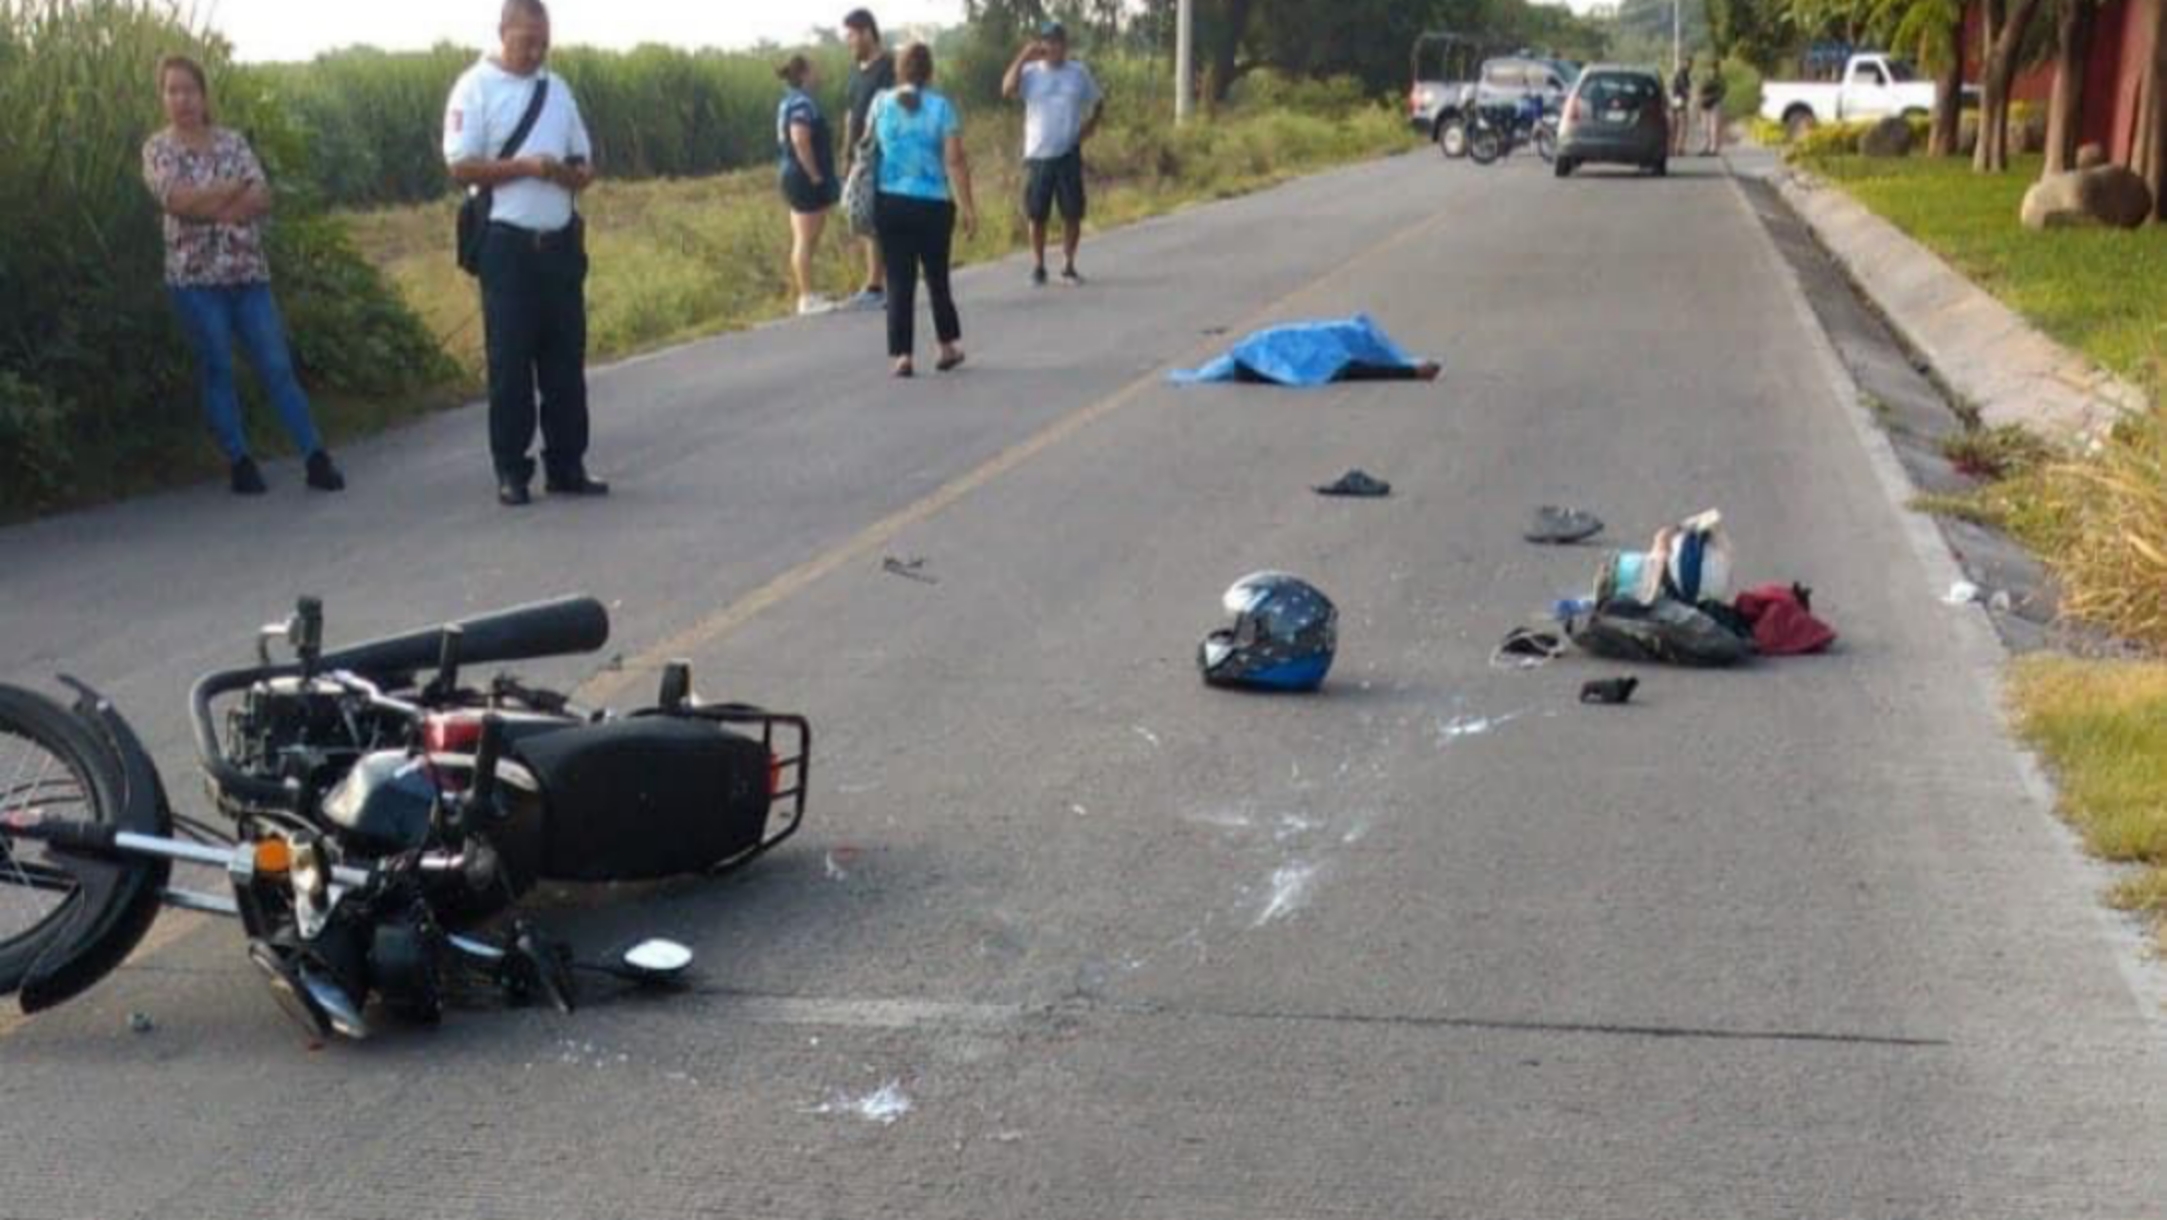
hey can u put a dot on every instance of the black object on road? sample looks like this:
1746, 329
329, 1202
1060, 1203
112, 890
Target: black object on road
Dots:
1556, 526
913, 569
1356, 483
1614, 692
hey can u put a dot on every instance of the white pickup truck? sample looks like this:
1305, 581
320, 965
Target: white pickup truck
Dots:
1873, 86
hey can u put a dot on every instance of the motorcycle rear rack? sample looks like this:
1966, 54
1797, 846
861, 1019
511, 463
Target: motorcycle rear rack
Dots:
788, 741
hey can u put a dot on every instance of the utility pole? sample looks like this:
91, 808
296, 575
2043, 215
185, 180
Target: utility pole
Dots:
1184, 60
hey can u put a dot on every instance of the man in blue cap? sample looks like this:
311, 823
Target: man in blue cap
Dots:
1062, 105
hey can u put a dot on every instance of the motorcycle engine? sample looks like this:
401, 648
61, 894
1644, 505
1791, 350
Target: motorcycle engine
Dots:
289, 728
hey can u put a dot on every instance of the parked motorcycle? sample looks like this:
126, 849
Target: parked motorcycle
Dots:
1494, 131
379, 814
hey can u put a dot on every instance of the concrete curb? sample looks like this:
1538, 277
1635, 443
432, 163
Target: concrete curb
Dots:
1980, 349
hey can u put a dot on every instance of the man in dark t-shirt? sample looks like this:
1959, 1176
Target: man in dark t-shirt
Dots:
872, 71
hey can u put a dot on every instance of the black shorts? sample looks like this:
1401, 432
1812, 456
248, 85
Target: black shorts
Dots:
805, 198
1055, 180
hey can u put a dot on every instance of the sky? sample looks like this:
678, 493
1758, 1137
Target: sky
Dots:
298, 29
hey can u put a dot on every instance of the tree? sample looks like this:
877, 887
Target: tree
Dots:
2003, 40
2065, 108
1932, 29
2150, 155
1748, 30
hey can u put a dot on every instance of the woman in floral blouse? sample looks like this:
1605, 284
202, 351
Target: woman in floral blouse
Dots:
214, 196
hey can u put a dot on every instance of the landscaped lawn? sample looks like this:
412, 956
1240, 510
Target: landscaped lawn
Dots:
2103, 292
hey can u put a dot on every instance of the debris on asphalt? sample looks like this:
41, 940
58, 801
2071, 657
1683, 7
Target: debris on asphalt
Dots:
1782, 620
1358, 483
1555, 526
1527, 648
1689, 562
1308, 354
1463, 726
1612, 692
1669, 632
2001, 602
911, 569
835, 869
885, 1105
1672, 604
140, 1022
1290, 886
1962, 593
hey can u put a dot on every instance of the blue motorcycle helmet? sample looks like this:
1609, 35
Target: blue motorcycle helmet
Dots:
1283, 637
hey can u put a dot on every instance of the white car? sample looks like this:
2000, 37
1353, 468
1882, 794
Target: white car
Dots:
1873, 86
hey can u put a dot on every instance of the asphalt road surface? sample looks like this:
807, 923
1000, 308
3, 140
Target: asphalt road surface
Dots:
1069, 935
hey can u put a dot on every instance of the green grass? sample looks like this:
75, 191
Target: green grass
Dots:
2102, 727
2102, 292
673, 260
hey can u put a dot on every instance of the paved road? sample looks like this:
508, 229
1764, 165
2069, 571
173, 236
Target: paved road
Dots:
1795, 941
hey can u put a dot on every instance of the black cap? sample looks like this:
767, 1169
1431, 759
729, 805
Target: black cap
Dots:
1053, 31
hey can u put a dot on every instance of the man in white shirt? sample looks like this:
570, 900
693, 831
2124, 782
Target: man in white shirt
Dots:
1062, 105
533, 256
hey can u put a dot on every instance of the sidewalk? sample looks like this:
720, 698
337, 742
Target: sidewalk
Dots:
1980, 349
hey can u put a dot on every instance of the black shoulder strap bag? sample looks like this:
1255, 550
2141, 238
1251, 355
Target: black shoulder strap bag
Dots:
474, 211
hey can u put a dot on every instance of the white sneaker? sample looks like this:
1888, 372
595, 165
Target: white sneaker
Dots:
814, 304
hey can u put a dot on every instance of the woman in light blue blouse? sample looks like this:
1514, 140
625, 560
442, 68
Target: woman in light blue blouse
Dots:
925, 185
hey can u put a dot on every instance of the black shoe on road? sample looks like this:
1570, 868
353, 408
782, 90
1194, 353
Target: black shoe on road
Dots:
1072, 277
247, 478
1038, 277
323, 474
513, 493
581, 484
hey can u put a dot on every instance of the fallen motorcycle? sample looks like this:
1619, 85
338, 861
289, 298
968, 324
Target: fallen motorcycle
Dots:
380, 816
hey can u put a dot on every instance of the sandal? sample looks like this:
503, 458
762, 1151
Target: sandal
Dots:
1527, 648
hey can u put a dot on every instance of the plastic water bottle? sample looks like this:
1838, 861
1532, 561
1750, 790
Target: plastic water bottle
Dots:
1567, 609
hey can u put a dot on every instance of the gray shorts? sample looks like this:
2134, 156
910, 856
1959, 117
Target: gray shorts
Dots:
1055, 180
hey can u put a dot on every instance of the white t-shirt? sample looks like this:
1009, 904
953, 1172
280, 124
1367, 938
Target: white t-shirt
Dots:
485, 109
1056, 104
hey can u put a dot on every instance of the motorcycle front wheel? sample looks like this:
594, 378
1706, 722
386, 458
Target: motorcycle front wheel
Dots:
50, 769
1546, 144
1485, 146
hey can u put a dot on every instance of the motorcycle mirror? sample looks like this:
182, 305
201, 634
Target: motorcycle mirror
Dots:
656, 960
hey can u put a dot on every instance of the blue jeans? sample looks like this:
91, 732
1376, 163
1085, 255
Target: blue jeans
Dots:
213, 319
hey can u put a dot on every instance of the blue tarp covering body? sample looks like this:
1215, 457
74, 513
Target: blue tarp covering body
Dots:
1304, 354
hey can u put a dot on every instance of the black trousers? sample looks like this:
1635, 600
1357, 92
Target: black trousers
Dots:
534, 316
917, 233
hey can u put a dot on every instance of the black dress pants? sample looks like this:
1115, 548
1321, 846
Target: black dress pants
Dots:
534, 315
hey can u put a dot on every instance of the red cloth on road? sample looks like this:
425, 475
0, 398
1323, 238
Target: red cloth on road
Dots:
1783, 625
